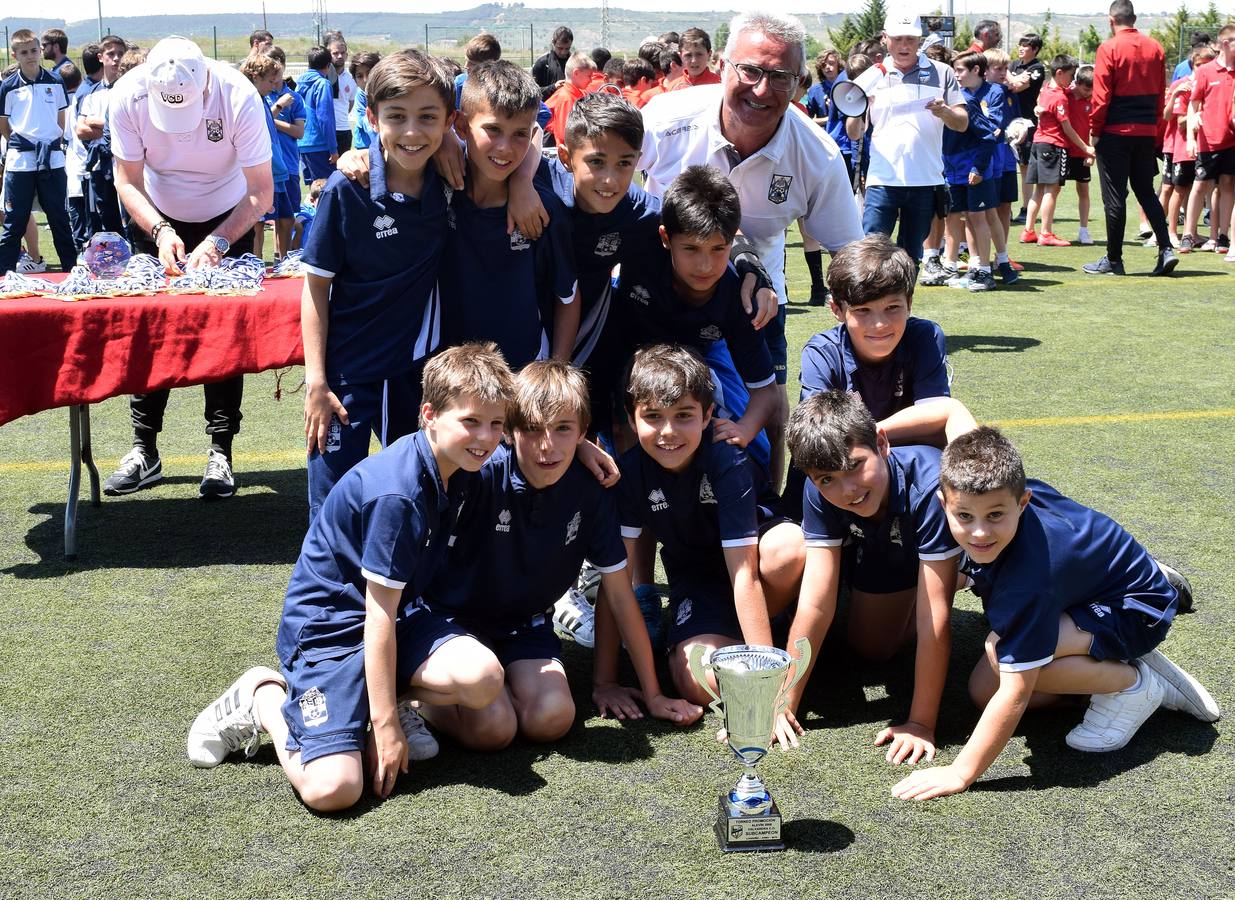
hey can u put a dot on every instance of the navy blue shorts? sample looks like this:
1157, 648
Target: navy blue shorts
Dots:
536, 640
1009, 187
316, 165
283, 208
974, 197
778, 344
389, 409
327, 706
703, 610
1123, 633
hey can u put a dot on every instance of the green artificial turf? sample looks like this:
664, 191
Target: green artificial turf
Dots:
106, 661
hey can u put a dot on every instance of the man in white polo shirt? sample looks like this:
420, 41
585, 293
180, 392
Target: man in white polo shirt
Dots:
912, 99
192, 166
784, 166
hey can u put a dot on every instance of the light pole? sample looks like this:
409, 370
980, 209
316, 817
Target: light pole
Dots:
100, 20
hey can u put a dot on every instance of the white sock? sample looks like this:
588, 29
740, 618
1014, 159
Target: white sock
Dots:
1136, 686
1001, 258
977, 261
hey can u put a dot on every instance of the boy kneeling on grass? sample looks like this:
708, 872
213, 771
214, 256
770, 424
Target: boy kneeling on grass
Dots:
1076, 606
354, 637
533, 515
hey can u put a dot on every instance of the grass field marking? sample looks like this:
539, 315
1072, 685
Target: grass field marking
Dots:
298, 456
1117, 418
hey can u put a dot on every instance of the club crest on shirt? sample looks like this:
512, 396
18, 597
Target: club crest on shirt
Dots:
572, 528
898, 390
313, 708
608, 244
214, 130
640, 293
383, 226
778, 189
503, 521
658, 501
706, 495
518, 241
894, 533
710, 333
855, 531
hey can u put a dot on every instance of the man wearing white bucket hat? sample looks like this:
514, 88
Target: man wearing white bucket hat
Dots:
912, 99
192, 167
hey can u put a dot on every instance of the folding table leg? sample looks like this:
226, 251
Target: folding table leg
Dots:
96, 498
70, 507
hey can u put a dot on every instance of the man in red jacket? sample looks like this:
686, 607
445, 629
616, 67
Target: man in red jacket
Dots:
1129, 81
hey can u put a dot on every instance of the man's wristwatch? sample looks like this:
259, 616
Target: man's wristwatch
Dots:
221, 243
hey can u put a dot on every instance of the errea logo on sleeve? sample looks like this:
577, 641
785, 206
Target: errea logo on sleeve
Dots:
383, 226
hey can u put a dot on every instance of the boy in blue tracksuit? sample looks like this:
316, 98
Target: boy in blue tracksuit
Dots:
319, 148
1008, 110
288, 110
970, 169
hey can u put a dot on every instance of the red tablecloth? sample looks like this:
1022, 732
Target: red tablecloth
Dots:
54, 353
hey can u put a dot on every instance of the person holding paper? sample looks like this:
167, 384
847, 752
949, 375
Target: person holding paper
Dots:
912, 99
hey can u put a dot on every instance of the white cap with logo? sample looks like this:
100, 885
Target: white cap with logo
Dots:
902, 22
177, 80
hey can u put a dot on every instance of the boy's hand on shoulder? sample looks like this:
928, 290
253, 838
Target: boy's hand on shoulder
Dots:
927, 784
320, 403
679, 712
450, 161
599, 463
728, 431
910, 742
389, 756
524, 210
786, 730
355, 165
617, 701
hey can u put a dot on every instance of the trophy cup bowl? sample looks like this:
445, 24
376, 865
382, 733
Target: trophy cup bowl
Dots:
752, 684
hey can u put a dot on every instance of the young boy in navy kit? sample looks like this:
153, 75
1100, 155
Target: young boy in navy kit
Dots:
533, 515
895, 362
497, 285
370, 314
354, 636
32, 105
1076, 606
699, 499
871, 516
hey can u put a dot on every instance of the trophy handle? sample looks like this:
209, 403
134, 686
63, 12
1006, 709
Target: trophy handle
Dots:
699, 671
800, 665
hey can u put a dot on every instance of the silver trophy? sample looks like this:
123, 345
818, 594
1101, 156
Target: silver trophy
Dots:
752, 689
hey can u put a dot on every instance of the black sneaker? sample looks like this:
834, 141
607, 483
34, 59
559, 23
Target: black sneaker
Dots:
982, 280
136, 471
818, 296
1020, 217
1008, 274
1167, 261
1180, 584
1104, 267
1224, 244
218, 482
933, 273
1145, 234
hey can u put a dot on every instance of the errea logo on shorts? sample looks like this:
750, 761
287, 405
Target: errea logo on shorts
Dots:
383, 226
503, 521
658, 501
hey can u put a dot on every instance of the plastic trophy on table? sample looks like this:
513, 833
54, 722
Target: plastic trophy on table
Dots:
752, 687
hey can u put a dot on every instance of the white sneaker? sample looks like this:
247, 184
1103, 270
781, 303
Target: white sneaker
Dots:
1180, 691
421, 744
588, 582
229, 723
218, 481
1112, 719
575, 618
27, 266
1082, 237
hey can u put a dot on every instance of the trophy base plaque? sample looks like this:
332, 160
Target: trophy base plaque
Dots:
738, 833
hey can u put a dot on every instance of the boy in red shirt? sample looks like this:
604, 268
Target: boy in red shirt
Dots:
639, 77
1211, 136
1048, 157
1179, 173
579, 71
696, 53
1077, 169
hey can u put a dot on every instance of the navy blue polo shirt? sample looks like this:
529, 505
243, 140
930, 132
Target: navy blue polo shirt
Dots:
388, 521
502, 287
516, 549
382, 252
656, 314
695, 514
601, 241
913, 527
917, 371
1063, 555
